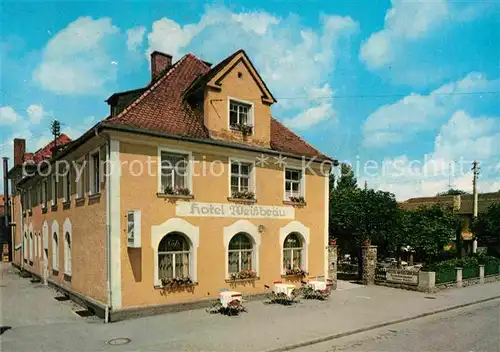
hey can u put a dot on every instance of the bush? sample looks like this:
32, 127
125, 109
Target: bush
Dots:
452, 264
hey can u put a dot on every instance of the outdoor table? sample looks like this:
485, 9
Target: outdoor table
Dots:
227, 297
284, 288
317, 285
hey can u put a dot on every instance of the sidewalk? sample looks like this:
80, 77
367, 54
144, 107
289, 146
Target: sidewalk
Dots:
262, 328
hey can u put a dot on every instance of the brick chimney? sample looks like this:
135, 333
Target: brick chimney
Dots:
159, 62
19, 151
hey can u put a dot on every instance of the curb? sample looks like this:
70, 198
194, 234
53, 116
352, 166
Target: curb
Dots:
377, 326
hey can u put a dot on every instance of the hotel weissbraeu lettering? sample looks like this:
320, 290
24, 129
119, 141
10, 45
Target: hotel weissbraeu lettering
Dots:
189, 179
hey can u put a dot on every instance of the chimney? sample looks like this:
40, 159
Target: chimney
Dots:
19, 151
159, 62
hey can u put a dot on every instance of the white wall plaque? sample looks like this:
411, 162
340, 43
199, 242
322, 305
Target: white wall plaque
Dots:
234, 210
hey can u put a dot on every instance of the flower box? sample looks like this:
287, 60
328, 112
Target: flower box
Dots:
177, 191
296, 272
243, 275
174, 282
245, 195
245, 130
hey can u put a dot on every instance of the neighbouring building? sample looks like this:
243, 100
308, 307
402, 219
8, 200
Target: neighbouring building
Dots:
4, 230
189, 186
463, 205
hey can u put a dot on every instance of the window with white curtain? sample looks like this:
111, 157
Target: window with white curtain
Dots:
31, 247
55, 252
174, 170
67, 186
241, 177
25, 247
293, 183
67, 254
173, 256
95, 173
240, 254
293, 252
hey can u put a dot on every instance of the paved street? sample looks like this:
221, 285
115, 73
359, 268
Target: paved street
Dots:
475, 328
39, 322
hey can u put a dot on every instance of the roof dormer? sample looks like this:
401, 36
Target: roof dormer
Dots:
237, 102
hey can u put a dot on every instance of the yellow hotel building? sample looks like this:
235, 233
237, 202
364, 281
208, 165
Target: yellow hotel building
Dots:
189, 186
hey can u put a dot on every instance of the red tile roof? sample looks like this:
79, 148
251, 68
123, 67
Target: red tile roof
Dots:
46, 151
162, 108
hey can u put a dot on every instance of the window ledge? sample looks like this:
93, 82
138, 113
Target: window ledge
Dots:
244, 201
55, 272
228, 281
161, 287
44, 210
174, 196
53, 207
295, 204
285, 276
80, 201
67, 277
94, 196
66, 205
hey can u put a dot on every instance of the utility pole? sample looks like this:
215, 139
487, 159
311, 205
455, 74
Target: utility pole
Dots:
475, 169
55, 128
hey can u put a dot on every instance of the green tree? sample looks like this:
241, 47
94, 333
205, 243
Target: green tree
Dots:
453, 192
487, 227
360, 214
428, 229
347, 179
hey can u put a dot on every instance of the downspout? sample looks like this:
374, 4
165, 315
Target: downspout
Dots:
108, 233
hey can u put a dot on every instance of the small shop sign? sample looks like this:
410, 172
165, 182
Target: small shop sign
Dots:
234, 210
402, 277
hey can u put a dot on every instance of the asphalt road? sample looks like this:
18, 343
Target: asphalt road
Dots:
475, 328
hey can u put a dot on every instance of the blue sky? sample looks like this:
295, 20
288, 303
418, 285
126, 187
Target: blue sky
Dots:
410, 86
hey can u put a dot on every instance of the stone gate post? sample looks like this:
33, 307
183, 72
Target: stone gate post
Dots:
332, 264
369, 262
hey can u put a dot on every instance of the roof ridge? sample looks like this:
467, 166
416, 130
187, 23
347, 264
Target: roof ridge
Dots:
299, 137
150, 89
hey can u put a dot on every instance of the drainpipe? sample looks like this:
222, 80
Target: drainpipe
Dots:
108, 233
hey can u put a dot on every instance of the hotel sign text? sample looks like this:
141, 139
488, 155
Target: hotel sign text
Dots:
234, 210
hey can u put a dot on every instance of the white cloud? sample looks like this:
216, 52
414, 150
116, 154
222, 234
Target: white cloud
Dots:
459, 141
257, 22
294, 60
75, 60
36, 113
415, 113
135, 37
404, 21
311, 117
8, 116
407, 22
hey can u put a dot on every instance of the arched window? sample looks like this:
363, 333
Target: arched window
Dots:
173, 256
36, 246
240, 253
31, 247
39, 245
67, 254
25, 248
55, 252
293, 252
